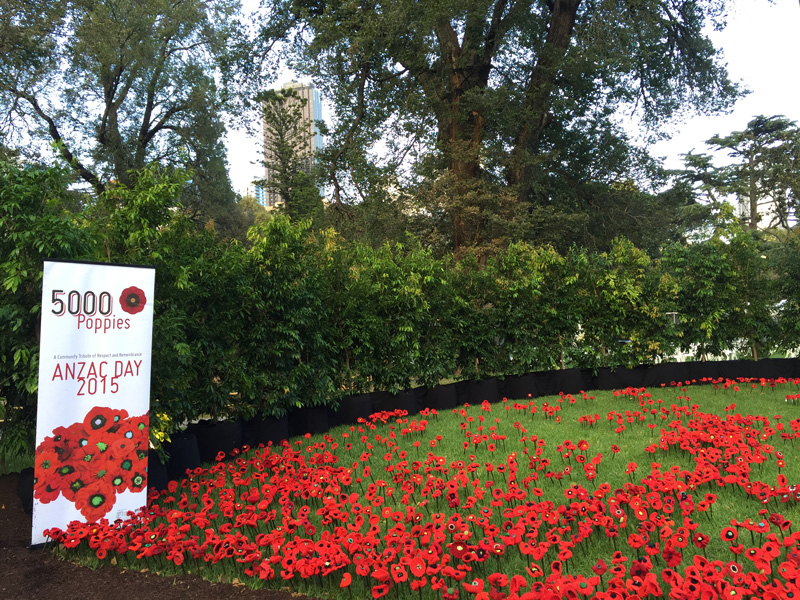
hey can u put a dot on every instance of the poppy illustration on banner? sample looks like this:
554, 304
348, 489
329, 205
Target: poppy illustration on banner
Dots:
90, 461
132, 300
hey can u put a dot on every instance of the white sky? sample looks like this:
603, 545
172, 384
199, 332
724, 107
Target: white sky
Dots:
761, 45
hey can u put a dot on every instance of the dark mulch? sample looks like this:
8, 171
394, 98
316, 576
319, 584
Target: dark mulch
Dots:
27, 574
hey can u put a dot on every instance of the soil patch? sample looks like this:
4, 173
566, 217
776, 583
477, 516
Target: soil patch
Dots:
37, 574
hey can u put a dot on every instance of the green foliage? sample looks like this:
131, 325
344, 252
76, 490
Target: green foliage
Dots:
761, 177
302, 317
288, 157
116, 85
726, 291
284, 339
33, 226
786, 260
519, 94
619, 308
535, 293
764, 176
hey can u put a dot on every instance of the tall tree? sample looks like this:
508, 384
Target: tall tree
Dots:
288, 154
493, 91
115, 84
765, 173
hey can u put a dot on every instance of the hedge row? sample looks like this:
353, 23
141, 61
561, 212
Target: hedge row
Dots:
301, 319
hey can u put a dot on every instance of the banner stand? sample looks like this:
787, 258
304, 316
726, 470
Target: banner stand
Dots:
94, 393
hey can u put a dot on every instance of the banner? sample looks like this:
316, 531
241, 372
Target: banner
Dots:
94, 393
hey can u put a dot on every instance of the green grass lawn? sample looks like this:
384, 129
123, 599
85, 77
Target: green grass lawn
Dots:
672, 465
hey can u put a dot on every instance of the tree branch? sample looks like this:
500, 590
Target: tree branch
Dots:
65, 152
348, 141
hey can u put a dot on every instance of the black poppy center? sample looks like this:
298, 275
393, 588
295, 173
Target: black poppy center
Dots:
132, 300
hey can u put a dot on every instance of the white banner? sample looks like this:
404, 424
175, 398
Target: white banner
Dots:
94, 393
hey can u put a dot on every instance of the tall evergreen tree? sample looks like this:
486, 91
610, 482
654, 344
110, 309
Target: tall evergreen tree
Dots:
288, 156
765, 173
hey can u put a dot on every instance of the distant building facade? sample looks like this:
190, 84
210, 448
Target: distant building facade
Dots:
261, 195
311, 113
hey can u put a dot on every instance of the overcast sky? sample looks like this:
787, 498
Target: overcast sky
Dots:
761, 45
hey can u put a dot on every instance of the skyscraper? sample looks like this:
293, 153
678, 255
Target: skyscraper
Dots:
305, 145
260, 194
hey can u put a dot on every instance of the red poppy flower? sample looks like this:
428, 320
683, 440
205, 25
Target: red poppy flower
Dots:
671, 556
417, 584
600, 567
399, 574
473, 587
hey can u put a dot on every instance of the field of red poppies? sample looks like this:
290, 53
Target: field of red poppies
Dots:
683, 491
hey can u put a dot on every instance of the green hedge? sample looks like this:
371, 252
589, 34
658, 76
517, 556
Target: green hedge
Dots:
301, 317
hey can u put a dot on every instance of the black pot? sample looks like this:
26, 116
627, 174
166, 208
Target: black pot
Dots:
667, 373
312, 420
157, 478
443, 397
569, 381
214, 437
734, 369
408, 400
262, 430
651, 377
462, 392
351, 408
484, 390
605, 379
25, 489
183, 454
774, 368
521, 387
620, 378
699, 370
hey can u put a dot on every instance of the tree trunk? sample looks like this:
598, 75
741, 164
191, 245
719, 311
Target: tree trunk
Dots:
461, 137
536, 109
753, 195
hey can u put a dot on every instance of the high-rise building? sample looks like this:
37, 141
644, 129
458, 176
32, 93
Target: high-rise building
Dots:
261, 195
311, 113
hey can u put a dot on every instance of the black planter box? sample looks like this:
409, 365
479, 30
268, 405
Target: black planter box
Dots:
699, 370
733, 369
569, 381
262, 430
157, 478
619, 379
308, 420
25, 489
183, 454
484, 390
351, 408
214, 437
521, 387
774, 368
443, 397
666, 373
408, 400
462, 392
